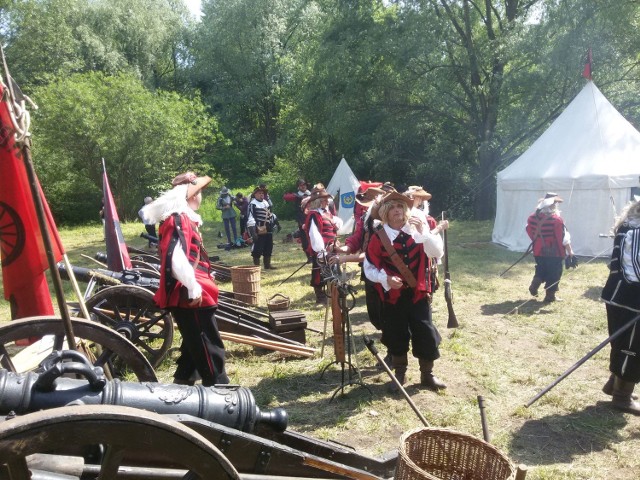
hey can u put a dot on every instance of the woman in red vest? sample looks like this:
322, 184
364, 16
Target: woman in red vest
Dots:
187, 287
397, 260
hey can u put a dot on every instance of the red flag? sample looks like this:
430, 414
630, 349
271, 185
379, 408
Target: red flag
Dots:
117, 253
586, 73
22, 251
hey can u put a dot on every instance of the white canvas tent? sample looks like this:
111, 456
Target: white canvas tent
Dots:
590, 156
344, 184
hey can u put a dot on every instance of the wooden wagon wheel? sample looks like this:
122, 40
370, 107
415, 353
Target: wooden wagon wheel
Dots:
12, 235
128, 438
131, 311
111, 349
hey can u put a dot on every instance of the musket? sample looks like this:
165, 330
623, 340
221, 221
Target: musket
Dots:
294, 272
575, 366
448, 293
529, 250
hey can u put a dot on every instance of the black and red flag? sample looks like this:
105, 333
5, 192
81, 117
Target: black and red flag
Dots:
117, 253
586, 73
22, 251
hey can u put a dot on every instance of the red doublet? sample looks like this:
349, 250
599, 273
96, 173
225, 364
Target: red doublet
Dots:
168, 295
325, 226
414, 257
546, 232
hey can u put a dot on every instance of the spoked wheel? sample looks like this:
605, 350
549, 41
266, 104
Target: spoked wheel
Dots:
107, 347
129, 439
131, 311
12, 235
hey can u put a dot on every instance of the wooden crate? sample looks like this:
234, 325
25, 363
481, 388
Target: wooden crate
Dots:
296, 335
287, 320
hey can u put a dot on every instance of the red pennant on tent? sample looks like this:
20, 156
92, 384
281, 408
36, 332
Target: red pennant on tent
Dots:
117, 253
586, 73
22, 251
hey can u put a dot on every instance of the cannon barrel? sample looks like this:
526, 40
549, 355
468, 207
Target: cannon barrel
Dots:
228, 405
109, 277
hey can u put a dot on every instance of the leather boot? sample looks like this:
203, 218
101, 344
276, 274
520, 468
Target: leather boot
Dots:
607, 388
256, 261
535, 285
399, 364
427, 378
550, 297
267, 264
321, 297
621, 399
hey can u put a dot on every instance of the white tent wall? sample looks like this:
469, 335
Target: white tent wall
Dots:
345, 183
590, 156
593, 205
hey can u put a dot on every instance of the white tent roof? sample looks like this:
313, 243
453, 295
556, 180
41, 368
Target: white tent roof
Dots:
590, 156
345, 183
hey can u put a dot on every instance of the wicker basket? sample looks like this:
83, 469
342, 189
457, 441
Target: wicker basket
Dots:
441, 454
246, 283
278, 302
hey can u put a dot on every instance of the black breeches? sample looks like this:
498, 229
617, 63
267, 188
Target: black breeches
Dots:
406, 321
374, 303
202, 348
263, 246
549, 270
624, 359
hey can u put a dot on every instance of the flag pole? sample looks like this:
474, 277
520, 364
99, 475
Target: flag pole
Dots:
46, 239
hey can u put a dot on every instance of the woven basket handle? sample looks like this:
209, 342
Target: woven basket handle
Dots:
279, 295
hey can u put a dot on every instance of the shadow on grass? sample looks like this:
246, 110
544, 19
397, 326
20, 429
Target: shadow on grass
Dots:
593, 293
562, 438
522, 307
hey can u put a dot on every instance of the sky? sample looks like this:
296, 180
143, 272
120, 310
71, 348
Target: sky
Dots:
194, 7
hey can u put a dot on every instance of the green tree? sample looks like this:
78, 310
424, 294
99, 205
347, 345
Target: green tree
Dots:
47, 39
241, 59
144, 137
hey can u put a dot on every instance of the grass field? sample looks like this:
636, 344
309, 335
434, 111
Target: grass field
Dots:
507, 348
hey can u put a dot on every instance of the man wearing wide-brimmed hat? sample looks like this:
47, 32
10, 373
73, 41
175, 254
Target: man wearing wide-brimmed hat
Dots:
187, 287
551, 242
260, 223
321, 227
396, 261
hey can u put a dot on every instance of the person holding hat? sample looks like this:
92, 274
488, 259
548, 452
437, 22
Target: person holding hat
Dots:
187, 287
621, 295
260, 223
396, 261
551, 242
322, 228
225, 205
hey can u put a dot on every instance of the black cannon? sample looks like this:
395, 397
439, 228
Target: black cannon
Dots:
231, 406
109, 277
56, 427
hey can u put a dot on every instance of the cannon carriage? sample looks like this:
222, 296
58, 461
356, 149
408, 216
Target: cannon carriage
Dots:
56, 428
